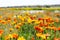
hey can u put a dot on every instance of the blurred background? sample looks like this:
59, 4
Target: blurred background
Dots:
5, 3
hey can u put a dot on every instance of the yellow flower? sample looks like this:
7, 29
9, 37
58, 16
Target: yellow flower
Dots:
20, 24
29, 20
11, 29
41, 35
7, 37
34, 16
25, 17
38, 34
17, 26
37, 22
21, 18
21, 38
13, 23
10, 36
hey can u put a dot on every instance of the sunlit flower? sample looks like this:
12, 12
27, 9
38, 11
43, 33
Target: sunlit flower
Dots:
41, 24
1, 32
21, 18
29, 20
13, 23
41, 35
10, 36
34, 16
20, 24
7, 37
3, 22
21, 38
15, 19
36, 21
15, 35
38, 34
54, 28
11, 29
48, 20
17, 27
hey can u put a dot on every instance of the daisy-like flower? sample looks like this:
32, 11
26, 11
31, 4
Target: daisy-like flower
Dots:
3, 22
41, 35
29, 20
15, 35
17, 27
10, 36
7, 37
21, 38
11, 29
40, 29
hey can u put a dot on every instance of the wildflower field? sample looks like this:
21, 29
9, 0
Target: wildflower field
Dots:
29, 24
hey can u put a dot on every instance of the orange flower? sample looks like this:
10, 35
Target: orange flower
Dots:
15, 36
1, 32
31, 18
41, 24
38, 28
0, 21
32, 38
11, 29
0, 16
8, 18
46, 25
17, 27
15, 20
20, 24
3, 22
48, 20
54, 28
7, 37
56, 19
58, 28
40, 18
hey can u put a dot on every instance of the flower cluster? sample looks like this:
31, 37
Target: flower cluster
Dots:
29, 26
